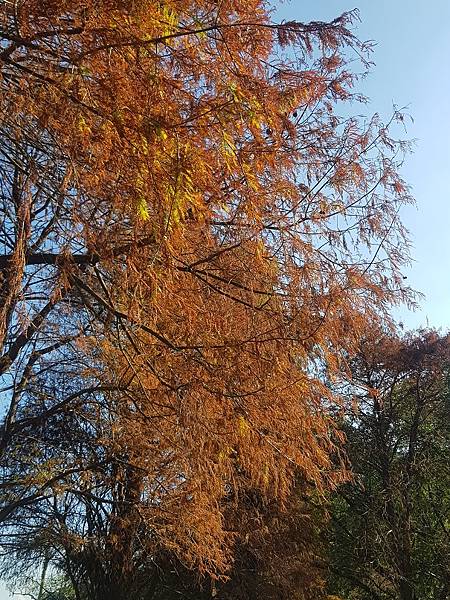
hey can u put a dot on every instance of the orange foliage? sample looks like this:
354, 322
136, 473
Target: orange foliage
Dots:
237, 234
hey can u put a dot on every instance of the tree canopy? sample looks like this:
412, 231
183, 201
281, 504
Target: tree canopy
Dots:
195, 236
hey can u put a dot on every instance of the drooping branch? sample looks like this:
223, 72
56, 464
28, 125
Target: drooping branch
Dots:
22, 340
122, 315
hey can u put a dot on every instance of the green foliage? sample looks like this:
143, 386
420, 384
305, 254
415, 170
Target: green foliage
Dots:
58, 588
390, 534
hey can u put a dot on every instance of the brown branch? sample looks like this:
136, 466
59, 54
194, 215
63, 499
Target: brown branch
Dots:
50, 258
290, 27
20, 342
58, 258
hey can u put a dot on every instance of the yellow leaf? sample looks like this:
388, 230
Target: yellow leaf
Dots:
143, 209
243, 425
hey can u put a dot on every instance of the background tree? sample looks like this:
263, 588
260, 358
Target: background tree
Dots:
195, 241
391, 529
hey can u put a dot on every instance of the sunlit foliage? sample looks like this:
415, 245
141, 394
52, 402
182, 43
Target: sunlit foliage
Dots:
195, 242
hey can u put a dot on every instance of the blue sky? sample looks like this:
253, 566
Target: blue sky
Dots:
412, 69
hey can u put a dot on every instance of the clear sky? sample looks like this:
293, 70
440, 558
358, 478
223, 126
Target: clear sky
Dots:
412, 69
